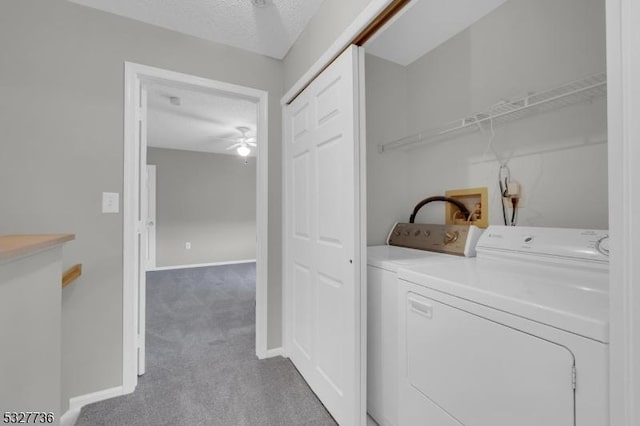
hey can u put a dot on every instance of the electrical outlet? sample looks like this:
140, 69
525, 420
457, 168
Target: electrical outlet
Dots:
513, 190
521, 201
187, 246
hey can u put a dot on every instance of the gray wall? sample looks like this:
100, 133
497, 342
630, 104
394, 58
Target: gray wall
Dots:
332, 18
208, 200
387, 177
523, 45
61, 130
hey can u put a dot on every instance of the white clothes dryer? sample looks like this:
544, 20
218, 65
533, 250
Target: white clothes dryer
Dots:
382, 301
516, 336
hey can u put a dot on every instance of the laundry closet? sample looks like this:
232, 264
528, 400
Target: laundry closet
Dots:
556, 152
499, 109
500, 104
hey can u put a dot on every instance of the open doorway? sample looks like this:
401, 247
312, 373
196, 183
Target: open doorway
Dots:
186, 126
201, 179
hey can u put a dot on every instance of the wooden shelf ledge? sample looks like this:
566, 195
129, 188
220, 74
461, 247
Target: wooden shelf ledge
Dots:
71, 274
12, 246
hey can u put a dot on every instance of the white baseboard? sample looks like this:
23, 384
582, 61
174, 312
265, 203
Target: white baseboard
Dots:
270, 353
200, 265
70, 417
76, 403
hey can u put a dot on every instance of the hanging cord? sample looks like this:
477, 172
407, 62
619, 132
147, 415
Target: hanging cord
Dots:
492, 135
505, 173
514, 214
490, 132
504, 177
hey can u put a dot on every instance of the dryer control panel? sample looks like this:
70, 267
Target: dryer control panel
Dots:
587, 246
451, 239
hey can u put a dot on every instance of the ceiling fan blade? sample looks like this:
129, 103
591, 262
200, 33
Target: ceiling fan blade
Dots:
234, 146
252, 144
225, 140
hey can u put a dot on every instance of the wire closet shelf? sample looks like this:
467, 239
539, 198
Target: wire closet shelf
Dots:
576, 92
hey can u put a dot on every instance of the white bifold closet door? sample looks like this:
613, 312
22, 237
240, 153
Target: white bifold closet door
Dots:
324, 166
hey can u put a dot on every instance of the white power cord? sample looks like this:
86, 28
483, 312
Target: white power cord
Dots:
504, 174
492, 136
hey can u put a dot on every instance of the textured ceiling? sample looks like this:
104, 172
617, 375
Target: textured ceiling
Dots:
269, 30
198, 123
424, 25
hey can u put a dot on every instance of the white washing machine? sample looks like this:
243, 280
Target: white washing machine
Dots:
437, 243
517, 336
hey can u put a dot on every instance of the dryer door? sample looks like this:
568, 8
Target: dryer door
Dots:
483, 373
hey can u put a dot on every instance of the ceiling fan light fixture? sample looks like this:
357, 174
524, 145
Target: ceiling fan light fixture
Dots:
243, 150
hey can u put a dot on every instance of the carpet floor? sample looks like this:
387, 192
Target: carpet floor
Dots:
201, 362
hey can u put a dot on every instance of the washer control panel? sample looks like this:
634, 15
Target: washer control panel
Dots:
452, 239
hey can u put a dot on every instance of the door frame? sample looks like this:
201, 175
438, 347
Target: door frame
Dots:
135, 75
151, 242
623, 104
373, 18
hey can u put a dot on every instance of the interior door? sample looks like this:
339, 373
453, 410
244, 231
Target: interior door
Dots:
151, 216
324, 240
142, 241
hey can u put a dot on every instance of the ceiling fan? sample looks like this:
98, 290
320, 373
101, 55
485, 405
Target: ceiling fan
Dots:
244, 143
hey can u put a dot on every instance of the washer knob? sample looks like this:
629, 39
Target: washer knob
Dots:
407, 233
450, 237
602, 245
426, 233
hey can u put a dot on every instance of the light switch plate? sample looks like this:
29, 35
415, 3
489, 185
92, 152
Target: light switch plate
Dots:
110, 202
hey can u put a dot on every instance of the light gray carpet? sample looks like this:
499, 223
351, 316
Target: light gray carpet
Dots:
201, 362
